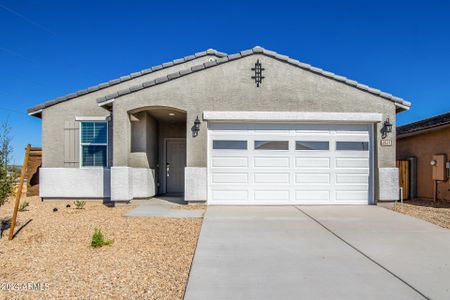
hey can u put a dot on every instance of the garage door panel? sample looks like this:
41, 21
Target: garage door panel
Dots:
271, 178
235, 195
229, 161
312, 196
349, 162
230, 178
351, 187
268, 161
312, 162
312, 178
351, 154
271, 195
346, 196
352, 171
352, 178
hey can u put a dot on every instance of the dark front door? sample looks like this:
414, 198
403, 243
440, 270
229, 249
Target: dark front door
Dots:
175, 163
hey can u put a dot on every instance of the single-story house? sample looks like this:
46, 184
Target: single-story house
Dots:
254, 127
420, 142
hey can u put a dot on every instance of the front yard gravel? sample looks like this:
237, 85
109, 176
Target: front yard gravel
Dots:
434, 212
150, 257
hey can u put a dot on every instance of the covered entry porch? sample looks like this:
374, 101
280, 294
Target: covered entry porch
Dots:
156, 156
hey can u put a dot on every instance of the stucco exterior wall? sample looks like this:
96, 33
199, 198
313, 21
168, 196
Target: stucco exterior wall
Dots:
423, 146
229, 87
144, 141
74, 183
226, 87
53, 117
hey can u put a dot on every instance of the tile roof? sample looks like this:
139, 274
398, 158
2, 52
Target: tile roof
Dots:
222, 58
256, 50
416, 127
113, 82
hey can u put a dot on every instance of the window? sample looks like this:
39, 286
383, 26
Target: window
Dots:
237, 145
271, 145
352, 146
94, 144
311, 145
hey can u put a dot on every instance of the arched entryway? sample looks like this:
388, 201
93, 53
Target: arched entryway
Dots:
158, 142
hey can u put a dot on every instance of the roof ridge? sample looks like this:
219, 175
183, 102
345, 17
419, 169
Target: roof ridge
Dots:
125, 78
244, 53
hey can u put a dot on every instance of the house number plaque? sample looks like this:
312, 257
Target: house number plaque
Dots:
386, 142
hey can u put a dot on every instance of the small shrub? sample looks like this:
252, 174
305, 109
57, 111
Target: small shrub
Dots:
99, 240
79, 204
7, 178
24, 205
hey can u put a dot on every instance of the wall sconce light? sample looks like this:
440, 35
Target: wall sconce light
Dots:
433, 162
196, 128
387, 128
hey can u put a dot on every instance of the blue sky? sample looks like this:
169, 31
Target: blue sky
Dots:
52, 48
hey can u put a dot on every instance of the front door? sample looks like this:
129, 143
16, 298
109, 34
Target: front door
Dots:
175, 163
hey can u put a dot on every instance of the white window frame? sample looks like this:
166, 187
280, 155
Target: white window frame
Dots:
94, 144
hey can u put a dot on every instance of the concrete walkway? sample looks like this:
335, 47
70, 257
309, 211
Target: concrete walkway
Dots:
159, 207
286, 252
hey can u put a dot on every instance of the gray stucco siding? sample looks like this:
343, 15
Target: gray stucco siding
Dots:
229, 87
54, 117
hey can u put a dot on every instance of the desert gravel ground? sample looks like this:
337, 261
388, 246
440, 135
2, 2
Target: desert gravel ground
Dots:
150, 258
434, 212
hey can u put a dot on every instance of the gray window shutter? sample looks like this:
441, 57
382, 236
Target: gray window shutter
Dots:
71, 144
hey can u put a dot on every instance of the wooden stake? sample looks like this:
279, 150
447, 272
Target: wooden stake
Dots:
19, 192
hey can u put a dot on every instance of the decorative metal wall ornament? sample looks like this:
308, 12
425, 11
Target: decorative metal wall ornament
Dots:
196, 128
258, 73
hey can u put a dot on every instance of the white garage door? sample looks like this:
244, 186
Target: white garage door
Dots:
288, 164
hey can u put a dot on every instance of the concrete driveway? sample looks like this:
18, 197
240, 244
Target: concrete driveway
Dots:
317, 252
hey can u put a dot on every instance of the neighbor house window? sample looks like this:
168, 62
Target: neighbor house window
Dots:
94, 144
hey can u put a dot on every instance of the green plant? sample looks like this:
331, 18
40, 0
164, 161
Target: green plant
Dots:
7, 178
99, 240
24, 205
79, 204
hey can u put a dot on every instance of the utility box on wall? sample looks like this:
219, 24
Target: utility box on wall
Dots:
439, 167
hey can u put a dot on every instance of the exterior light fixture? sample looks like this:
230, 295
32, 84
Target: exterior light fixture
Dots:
196, 128
387, 128
433, 162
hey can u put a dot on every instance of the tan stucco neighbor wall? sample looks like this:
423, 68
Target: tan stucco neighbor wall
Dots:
423, 146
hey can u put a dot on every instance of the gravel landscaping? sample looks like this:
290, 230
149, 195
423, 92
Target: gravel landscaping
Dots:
149, 258
434, 212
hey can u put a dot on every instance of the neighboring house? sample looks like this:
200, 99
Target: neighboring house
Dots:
254, 127
420, 141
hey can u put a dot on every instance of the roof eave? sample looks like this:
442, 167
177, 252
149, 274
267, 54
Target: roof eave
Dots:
401, 107
35, 113
38, 108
